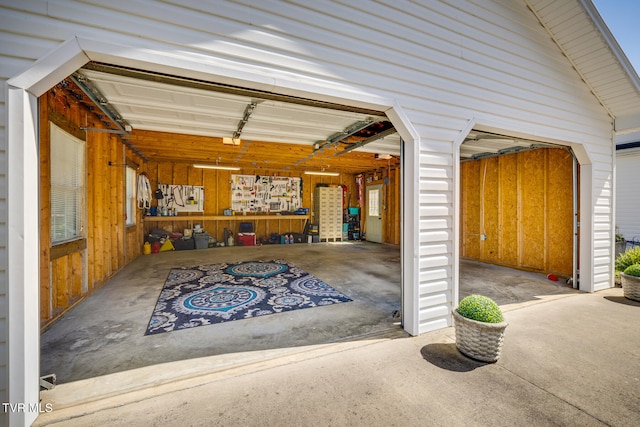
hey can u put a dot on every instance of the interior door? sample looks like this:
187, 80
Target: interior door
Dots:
374, 213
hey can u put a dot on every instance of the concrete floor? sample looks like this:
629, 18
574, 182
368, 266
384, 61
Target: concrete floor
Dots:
104, 334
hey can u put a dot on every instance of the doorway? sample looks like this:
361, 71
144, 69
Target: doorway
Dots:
374, 213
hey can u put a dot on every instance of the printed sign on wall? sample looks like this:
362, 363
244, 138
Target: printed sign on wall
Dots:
255, 193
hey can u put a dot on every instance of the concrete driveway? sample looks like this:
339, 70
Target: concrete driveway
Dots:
569, 360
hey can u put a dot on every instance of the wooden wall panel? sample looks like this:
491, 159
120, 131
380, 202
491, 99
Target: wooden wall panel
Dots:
559, 210
508, 212
470, 175
109, 244
523, 202
533, 247
45, 208
489, 212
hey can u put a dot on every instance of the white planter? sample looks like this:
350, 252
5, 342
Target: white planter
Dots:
631, 287
479, 340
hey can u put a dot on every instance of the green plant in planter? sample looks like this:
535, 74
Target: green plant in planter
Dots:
628, 258
481, 309
632, 270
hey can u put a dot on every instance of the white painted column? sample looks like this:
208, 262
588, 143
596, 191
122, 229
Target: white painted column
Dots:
586, 231
23, 267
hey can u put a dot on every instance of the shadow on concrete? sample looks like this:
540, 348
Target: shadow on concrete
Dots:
447, 356
623, 300
506, 285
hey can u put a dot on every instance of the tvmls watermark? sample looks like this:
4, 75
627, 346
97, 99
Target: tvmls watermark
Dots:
27, 407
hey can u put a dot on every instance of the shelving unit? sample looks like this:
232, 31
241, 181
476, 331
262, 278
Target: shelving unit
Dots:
353, 221
328, 211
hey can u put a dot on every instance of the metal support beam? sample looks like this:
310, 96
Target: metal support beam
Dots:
245, 118
100, 101
369, 140
346, 132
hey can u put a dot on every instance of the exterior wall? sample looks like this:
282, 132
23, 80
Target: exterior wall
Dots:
4, 352
439, 65
627, 189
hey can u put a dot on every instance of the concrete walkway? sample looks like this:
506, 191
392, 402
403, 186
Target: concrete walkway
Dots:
570, 360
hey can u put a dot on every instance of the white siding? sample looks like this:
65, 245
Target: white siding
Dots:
443, 63
3, 254
628, 193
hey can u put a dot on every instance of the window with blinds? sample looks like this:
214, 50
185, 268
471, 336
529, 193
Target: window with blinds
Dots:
130, 205
67, 186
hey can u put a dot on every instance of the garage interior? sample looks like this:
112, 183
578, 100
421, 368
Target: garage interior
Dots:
97, 292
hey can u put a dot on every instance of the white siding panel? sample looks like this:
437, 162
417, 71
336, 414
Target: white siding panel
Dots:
3, 252
435, 300
435, 249
435, 210
600, 253
436, 286
431, 277
433, 185
434, 236
428, 262
444, 63
627, 194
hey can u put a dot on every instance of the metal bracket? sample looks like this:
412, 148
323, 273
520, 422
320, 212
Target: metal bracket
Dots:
48, 382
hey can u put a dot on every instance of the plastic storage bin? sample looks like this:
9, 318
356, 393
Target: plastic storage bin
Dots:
201, 240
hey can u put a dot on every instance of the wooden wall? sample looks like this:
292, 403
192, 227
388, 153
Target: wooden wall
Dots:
217, 184
217, 198
523, 203
70, 271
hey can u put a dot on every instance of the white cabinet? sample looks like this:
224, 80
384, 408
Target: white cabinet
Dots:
328, 211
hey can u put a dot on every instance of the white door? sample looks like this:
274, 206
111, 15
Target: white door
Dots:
374, 213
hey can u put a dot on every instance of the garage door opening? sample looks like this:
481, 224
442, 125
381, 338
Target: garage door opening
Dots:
518, 218
98, 294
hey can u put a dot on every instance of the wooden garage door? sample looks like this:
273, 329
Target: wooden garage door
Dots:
523, 204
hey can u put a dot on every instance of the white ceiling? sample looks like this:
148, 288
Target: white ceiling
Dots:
162, 106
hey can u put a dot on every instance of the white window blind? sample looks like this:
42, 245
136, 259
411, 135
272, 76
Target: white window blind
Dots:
67, 186
131, 196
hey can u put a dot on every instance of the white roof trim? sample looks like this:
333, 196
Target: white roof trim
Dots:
611, 42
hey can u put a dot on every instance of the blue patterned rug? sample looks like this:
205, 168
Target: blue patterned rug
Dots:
216, 293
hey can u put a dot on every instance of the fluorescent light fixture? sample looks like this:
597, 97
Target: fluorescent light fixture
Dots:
321, 173
221, 167
231, 141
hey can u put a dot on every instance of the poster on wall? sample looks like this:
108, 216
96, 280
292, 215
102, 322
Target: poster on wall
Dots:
264, 194
182, 198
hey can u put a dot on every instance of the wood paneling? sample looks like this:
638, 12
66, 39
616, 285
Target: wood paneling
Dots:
523, 204
68, 272
217, 189
262, 156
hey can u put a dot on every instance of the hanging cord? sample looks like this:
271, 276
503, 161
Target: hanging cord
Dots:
144, 191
